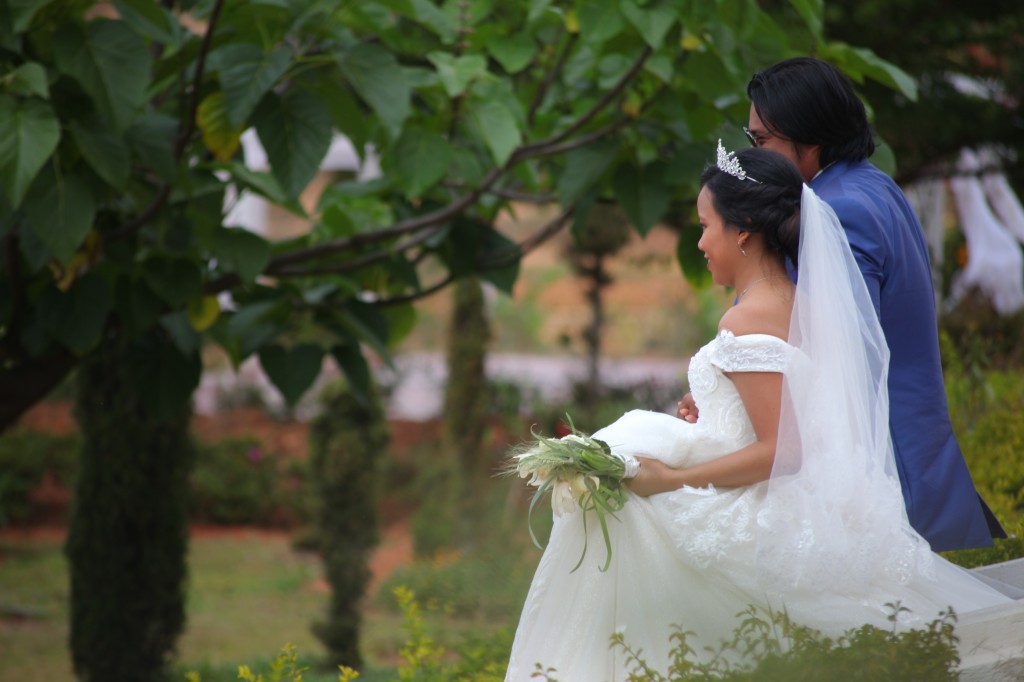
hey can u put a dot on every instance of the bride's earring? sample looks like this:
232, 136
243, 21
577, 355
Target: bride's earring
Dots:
740, 245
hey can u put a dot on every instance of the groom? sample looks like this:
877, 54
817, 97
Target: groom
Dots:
807, 110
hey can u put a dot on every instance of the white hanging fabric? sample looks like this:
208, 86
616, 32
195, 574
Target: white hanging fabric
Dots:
995, 264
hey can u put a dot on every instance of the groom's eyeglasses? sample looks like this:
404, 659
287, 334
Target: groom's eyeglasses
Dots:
750, 136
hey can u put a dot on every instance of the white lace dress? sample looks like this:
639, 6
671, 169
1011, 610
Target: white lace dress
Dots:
689, 557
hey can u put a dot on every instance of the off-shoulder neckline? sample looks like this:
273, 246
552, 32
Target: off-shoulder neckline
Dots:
728, 334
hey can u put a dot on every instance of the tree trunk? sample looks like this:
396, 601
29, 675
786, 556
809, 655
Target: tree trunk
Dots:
446, 516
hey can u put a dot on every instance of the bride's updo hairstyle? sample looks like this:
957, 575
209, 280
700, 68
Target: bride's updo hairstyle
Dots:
766, 201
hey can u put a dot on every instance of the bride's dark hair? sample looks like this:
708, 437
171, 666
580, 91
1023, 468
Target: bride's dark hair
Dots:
769, 207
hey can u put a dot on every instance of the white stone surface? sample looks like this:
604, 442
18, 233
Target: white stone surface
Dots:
992, 640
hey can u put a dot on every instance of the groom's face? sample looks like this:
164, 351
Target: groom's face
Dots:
805, 158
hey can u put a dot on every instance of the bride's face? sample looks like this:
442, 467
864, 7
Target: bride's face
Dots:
718, 242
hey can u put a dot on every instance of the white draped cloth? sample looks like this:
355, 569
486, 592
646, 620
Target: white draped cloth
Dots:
995, 265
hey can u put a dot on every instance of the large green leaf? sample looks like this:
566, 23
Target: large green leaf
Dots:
346, 114
152, 137
457, 73
296, 132
599, 21
77, 317
426, 14
22, 12
29, 80
352, 363
418, 160
499, 249
241, 251
219, 135
860, 62
181, 331
513, 52
264, 184
108, 154
653, 21
691, 260
248, 329
246, 74
583, 167
366, 323
151, 20
497, 125
376, 76
175, 280
642, 193
29, 132
292, 370
60, 209
110, 62
811, 11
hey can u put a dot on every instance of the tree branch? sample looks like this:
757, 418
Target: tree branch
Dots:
187, 128
502, 258
193, 104
552, 145
417, 295
525, 246
549, 78
526, 151
575, 143
359, 262
25, 384
396, 230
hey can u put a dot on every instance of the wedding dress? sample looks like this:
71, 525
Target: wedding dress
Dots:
826, 538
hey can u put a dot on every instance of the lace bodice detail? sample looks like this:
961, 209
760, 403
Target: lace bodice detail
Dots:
721, 409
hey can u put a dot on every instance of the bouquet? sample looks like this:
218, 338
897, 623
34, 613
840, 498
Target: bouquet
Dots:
578, 471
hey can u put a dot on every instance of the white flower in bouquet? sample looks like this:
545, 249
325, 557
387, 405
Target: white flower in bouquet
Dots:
580, 472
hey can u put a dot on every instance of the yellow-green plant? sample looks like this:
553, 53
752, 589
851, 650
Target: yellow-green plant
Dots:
284, 668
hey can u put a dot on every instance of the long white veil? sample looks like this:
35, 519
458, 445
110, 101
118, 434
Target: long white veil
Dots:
834, 512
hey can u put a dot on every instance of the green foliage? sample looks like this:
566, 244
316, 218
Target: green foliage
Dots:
446, 516
985, 406
237, 482
768, 646
119, 141
425, 660
347, 445
484, 582
25, 458
128, 534
969, 39
284, 667
437, 524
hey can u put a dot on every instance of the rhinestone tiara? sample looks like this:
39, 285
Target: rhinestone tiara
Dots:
728, 163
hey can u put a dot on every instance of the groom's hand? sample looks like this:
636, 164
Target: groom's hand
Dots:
687, 409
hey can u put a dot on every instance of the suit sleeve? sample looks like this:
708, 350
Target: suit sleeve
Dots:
866, 234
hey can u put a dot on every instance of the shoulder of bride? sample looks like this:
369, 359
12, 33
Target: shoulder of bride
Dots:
744, 320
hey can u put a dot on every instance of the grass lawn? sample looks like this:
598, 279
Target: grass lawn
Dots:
249, 594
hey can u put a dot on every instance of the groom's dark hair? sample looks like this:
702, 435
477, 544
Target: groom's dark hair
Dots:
811, 102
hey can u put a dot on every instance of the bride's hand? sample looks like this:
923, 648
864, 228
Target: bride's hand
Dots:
654, 477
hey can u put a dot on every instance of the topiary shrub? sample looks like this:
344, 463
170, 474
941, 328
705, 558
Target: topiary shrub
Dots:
348, 443
128, 539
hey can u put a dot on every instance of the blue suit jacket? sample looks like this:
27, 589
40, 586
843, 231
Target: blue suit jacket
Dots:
889, 245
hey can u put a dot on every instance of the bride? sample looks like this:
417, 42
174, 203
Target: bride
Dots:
784, 493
